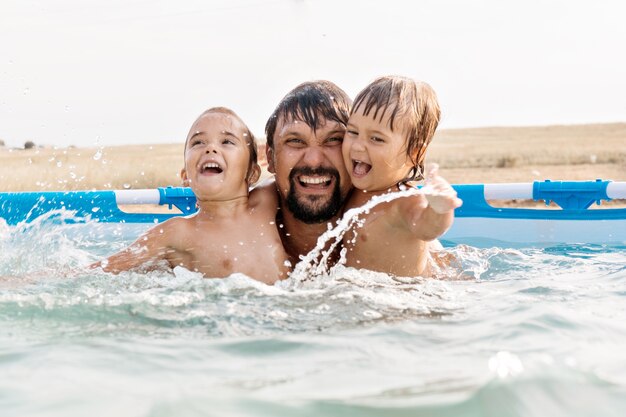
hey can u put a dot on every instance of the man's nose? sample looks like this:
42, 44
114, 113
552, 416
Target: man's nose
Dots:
313, 156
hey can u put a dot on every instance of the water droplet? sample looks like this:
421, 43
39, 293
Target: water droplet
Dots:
59, 164
126, 186
97, 155
26, 91
95, 209
72, 175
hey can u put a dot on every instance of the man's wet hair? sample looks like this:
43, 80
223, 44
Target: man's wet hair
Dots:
412, 107
311, 102
249, 137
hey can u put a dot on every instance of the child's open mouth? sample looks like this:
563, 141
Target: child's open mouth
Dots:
211, 168
360, 168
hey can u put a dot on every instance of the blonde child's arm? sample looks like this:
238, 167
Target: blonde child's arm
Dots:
149, 248
434, 213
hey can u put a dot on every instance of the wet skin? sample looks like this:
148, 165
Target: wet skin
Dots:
311, 179
374, 154
216, 158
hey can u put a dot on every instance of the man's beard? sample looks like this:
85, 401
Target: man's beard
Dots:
314, 208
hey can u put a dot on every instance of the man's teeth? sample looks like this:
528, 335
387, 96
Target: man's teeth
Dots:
314, 180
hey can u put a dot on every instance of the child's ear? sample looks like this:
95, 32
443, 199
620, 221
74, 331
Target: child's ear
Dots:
254, 174
269, 155
183, 177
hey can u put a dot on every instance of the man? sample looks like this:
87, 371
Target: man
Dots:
304, 136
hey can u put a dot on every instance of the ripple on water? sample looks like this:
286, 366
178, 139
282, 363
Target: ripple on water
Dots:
533, 332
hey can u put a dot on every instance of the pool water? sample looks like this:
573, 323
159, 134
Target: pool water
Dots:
532, 332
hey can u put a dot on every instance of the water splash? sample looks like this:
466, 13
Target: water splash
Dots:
315, 263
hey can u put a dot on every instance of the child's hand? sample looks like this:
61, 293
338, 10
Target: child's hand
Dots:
439, 193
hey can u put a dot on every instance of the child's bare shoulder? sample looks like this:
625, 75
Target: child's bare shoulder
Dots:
168, 232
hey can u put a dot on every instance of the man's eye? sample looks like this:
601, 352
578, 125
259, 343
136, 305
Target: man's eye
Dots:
334, 140
294, 142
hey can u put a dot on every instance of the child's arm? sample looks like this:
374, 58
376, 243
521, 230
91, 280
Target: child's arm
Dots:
434, 213
150, 247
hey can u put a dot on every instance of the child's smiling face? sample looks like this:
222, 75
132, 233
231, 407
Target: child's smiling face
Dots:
375, 155
217, 157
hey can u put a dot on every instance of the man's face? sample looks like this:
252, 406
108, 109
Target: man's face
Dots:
310, 174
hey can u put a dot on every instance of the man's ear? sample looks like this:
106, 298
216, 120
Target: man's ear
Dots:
183, 177
269, 155
254, 174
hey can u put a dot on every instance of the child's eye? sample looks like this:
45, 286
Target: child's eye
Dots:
228, 142
195, 142
352, 132
377, 139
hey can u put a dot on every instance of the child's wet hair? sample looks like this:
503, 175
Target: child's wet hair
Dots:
310, 102
412, 106
249, 137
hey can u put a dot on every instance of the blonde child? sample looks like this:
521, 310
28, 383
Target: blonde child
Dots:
391, 124
233, 230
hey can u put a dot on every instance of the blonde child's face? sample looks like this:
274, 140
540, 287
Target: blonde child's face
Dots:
216, 157
375, 156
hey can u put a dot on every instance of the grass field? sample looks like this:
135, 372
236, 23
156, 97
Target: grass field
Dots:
503, 154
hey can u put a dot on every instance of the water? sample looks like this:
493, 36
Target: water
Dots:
534, 332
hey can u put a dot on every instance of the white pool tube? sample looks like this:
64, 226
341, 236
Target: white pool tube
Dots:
137, 196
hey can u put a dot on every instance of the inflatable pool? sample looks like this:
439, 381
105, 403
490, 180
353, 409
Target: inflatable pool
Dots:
534, 324
477, 221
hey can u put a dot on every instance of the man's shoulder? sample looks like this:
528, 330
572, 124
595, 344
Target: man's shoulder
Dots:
264, 193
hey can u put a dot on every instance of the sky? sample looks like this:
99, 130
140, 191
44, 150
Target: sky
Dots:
116, 72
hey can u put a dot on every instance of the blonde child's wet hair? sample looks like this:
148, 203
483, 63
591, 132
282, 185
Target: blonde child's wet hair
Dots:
412, 106
249, 137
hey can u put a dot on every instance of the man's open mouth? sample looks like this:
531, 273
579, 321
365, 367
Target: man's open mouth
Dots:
360, 168
314, 181
314, 178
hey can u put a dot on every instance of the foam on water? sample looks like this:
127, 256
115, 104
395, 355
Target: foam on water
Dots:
536, 332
